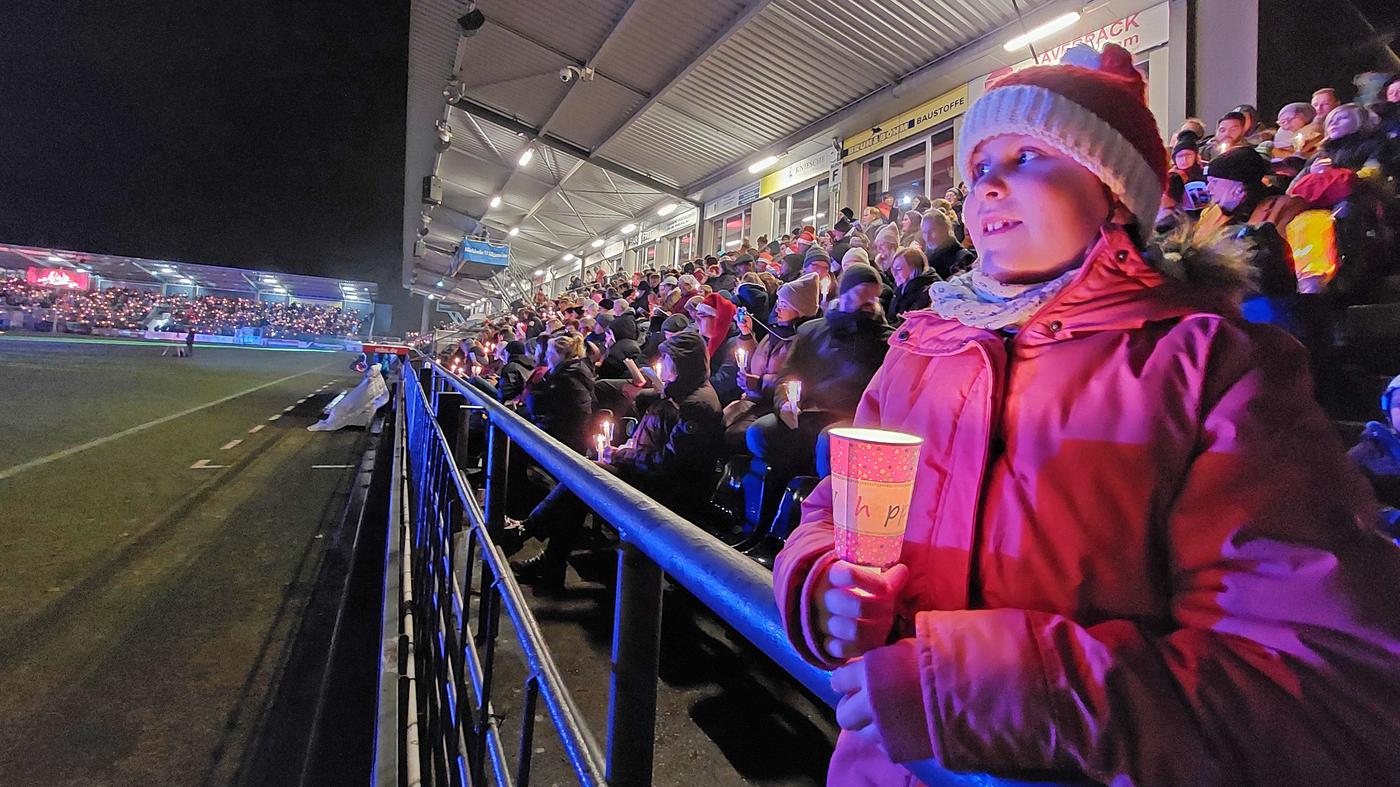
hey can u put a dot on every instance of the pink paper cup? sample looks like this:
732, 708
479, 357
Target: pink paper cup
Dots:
872, 482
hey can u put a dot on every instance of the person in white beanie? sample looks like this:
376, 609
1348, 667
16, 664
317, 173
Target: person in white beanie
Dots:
1135, 551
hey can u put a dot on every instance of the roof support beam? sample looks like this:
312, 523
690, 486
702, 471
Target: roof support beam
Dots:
486, 113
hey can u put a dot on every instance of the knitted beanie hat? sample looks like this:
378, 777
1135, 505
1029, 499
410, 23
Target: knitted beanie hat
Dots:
801, 294
855, 275
1093, 108
1242, 164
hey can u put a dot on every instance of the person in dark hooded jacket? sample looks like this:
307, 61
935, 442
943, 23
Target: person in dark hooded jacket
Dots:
792, 268
673, 453
834, 357
727, 280
671, 457
516, 366
623, 346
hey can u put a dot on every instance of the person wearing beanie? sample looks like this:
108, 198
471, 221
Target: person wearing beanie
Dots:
766, 357
840, 238
516, 366
1186, 162
834, 357
817, 261
791, 267
1239, 197
1128, 512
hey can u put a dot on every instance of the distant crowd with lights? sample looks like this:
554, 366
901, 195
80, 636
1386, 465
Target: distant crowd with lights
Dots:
122, 308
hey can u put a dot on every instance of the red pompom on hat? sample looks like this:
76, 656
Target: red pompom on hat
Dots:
1091, 107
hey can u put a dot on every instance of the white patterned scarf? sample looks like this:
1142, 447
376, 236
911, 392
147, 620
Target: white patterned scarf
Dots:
977, 300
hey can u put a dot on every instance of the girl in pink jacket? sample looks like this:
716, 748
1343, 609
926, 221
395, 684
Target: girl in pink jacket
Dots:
1136, 550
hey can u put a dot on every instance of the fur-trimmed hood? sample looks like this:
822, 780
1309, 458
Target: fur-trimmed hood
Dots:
1120, 287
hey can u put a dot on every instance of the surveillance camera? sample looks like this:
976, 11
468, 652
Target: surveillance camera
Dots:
566, 74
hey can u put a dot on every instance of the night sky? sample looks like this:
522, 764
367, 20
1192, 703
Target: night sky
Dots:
249, 133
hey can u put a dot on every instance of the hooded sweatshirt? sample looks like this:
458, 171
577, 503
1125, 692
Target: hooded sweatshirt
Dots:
625, 346
680, 434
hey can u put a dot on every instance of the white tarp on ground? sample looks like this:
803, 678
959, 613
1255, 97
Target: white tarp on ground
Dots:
357, 407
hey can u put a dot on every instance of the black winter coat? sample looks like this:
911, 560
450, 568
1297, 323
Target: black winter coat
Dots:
678, 442
950, 259
913, 295
724, 370
835, 357
561, 403
625, 346
511, 382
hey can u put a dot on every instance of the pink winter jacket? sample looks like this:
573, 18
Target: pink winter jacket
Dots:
1137, 552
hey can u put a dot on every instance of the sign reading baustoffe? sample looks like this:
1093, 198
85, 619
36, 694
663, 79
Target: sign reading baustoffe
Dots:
924, 116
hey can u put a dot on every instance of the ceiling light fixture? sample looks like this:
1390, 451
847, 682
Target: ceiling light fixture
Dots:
667, 209
597, 243
526, 156
628, 229
569, 258
1035, 34
762, 164
514, 231
496, 201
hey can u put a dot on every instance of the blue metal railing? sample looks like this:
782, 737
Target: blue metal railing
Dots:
655, 540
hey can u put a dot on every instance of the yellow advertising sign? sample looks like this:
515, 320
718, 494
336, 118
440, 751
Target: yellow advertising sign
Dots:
926, 115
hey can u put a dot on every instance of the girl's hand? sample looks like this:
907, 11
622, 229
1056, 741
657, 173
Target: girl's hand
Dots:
853, 712
855, 607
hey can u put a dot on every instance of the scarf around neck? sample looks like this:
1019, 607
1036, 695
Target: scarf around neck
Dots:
979, 301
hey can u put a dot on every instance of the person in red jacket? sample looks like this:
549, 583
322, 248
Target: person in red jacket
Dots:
1136, 552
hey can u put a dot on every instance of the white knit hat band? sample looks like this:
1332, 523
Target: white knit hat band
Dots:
1071, 129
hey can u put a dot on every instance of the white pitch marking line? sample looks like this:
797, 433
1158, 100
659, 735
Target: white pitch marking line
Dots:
289, 408
330, 467
11, 472
257, 429
274, 417
203, 464
229, 444
303, 399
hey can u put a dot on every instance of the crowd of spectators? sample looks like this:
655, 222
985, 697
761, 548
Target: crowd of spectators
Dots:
138, 309
1114, 371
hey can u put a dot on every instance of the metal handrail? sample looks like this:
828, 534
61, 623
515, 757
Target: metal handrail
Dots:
736, 588
472, 738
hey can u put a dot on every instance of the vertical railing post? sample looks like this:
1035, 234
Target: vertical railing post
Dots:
636, 651
497, 468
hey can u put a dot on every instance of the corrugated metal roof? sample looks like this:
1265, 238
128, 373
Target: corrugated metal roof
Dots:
682, 90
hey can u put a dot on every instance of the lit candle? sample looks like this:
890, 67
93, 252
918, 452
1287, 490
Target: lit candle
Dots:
476, 370
741, 355
608, 429
600, 441
1224, 146
656, 367
794, 392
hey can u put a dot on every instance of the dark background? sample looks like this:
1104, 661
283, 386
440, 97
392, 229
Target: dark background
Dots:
1308, 44
256, 134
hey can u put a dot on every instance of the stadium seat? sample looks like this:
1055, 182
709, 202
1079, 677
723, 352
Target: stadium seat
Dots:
725, 517
786, 519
